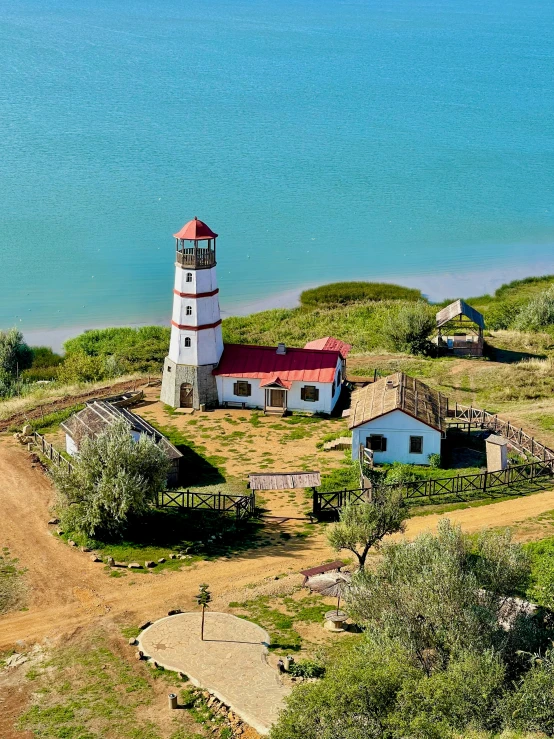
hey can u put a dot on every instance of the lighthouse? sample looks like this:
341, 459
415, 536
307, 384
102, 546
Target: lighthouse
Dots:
196, 343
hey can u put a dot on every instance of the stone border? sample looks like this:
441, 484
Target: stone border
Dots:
246, 718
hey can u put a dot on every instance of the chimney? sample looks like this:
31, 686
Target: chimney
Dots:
281, 349
390, 384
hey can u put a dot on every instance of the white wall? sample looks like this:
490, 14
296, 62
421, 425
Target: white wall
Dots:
207, 344
397, 427
325, 404
70, 445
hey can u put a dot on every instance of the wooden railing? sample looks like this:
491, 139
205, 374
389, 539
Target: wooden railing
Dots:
242, 506
516, 479
468, 416
196, 258
50, 451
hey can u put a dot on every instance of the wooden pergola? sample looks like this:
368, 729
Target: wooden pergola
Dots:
460, 330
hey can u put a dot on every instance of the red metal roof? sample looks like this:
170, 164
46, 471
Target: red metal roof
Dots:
328, 343
263, 362
195, 230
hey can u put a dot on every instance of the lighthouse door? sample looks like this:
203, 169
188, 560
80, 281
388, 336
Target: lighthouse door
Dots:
186, 395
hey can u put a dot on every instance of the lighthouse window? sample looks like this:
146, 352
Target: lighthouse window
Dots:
189, 310
187, 341
189, 276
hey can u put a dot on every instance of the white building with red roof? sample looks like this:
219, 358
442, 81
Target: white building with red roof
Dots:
200, 371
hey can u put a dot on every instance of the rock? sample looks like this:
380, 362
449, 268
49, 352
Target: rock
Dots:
95, 558
134, 566
153, 664
145, 625
16, 435
53, 521
85, 549
120, 564
149, 564
110, 561
182, 556
60, 532
174, 612
16, 659
182, 676
172, 556
132, 641
161, 560
27, 430
71, 543
139, 654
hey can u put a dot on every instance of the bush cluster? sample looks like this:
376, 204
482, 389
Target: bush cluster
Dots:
349, 292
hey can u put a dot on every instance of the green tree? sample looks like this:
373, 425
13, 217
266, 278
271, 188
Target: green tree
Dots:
80, 367
530, 707
408, 329
429, 594
114, 478
203, 599
365, 525
15, 355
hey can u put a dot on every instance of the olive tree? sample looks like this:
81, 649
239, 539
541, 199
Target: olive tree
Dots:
442, 594
408, 329
365, 525
114, 477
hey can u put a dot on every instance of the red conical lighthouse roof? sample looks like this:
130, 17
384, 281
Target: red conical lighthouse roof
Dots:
195, 230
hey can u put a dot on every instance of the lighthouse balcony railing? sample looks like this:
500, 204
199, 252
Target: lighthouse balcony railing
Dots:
196, 257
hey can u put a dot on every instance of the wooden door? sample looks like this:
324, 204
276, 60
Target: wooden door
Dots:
277, 398
185, 400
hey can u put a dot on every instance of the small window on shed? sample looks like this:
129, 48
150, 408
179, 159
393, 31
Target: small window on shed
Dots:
187, 341
333, 388
309, 393
416, 444
376, 442
189, 276
189, 310
242, 389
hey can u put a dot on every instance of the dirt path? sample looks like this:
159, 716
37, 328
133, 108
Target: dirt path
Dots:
68, 591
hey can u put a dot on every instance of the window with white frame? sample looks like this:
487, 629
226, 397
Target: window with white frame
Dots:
189, 276
189, 310
187, 341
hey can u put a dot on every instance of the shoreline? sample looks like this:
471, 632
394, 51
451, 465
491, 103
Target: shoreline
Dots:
434, 288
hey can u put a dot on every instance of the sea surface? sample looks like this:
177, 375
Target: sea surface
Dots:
399, 140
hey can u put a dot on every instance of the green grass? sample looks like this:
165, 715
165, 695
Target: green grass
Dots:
50, 423
86, 693
162, 532
541, 585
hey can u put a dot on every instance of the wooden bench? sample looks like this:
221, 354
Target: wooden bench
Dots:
234, 404
329, 567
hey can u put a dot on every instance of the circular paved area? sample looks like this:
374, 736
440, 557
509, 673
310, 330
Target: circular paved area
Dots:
230, 662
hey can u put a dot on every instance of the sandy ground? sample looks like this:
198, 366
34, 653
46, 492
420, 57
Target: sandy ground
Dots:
68, 591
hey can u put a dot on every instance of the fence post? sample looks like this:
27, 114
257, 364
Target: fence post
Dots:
485, 481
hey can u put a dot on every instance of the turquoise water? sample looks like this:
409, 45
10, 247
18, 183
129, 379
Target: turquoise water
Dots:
403, 140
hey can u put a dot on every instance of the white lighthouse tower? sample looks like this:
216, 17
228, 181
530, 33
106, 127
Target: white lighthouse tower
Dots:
196, 342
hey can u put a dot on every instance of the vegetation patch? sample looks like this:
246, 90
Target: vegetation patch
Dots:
351, 292
12, 588
88, 692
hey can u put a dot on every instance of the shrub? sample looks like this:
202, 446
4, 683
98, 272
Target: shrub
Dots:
501, 315
537, 313
349, 292
81, 367
399, 473
408, 330
306, 668
114, 478
15, 355
434, 461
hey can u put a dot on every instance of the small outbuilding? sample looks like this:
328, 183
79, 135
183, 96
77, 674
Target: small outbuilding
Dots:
98, 415
399, 418
460, 330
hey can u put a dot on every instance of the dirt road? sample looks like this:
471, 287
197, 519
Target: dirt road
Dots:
68, 591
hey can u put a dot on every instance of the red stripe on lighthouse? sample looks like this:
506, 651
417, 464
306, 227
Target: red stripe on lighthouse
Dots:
196, 328
196, 295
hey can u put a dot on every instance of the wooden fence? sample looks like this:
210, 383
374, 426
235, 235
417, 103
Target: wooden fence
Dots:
50, 451
535, 474
467, 416
242, 506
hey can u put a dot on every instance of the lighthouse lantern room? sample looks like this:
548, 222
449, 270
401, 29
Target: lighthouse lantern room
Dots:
196, 343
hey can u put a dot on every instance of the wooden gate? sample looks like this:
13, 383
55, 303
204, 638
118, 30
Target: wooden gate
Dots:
186, 395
